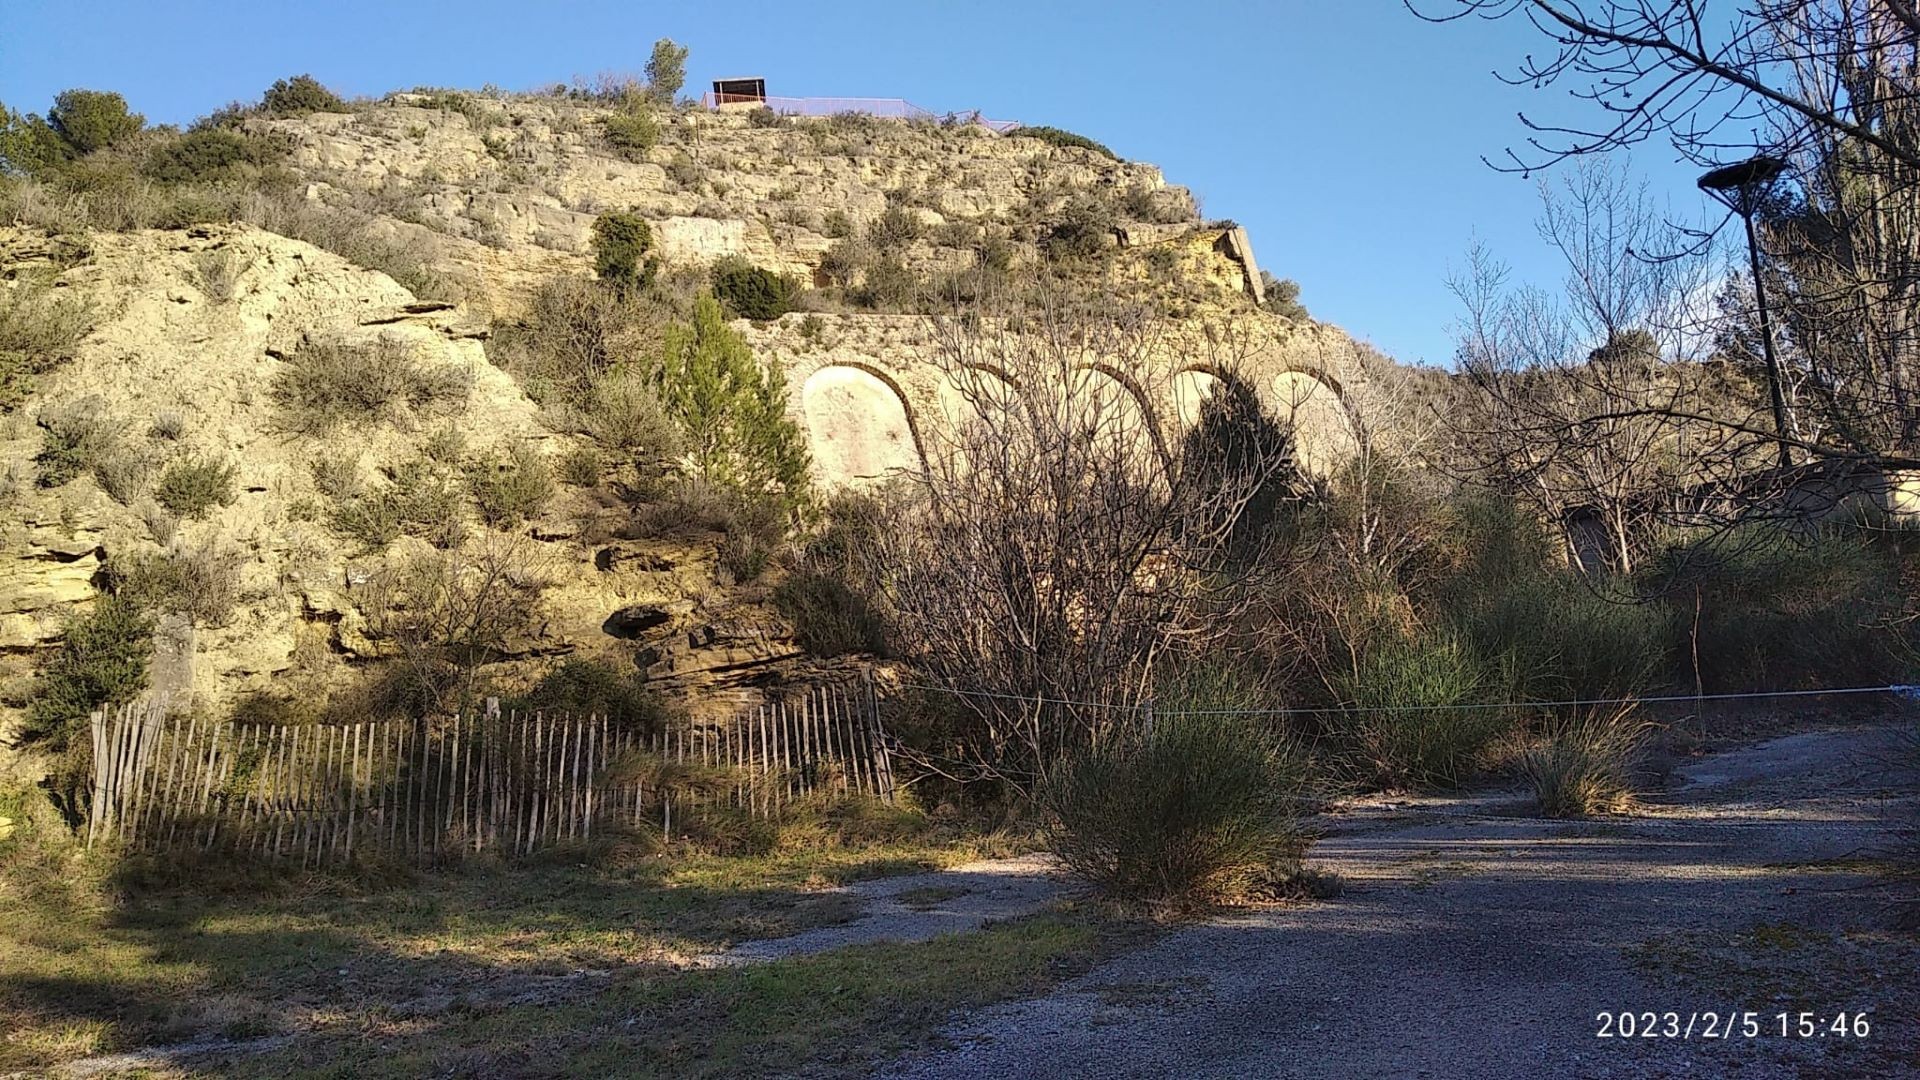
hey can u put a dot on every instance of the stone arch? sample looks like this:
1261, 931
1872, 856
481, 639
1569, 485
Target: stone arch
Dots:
1323, 426
958, 391
860, 426
1128, 392
1190, 390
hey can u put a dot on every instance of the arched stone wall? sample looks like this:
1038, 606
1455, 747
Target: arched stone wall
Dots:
858, 425
1190, 391
1323, 431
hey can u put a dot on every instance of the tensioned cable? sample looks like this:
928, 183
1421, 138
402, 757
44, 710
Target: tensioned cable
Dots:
1896, 688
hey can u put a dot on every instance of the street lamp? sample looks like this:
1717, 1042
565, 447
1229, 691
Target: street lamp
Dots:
1739, 188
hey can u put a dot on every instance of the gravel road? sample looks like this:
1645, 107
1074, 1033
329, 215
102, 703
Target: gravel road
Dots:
1473, 942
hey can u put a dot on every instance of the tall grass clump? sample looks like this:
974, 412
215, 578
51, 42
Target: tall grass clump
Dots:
1195, 809
1581, 767
1766, 608
1405, 726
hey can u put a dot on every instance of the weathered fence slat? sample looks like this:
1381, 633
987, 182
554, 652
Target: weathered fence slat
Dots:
484, 780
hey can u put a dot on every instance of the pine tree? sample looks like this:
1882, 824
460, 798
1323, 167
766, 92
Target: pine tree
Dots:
732, 409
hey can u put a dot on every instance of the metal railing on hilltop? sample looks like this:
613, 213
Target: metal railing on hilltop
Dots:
890, 108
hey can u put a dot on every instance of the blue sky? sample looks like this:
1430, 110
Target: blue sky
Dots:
1345, 134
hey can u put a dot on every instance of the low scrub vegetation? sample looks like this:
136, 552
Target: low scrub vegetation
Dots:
511, 491
325, 384
1183, 811
194, 487
752, 292
101, 660
39, 328
621, 242
298, 95
1054, 136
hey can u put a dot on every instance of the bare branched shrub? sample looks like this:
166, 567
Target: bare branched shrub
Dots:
327, 383
445, 616
1057, 550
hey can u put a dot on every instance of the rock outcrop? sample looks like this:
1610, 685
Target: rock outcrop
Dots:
500, 194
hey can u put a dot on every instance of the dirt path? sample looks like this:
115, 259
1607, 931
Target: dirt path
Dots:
1473, 943
920, 907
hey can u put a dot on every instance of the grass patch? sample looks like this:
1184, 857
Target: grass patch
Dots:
928, 897
833, 1013
548, 958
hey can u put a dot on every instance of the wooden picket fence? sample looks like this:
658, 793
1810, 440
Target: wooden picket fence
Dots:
503, 782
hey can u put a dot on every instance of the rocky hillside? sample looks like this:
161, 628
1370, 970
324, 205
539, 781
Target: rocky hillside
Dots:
169, 454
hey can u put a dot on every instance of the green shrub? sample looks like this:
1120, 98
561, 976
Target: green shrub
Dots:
895, 228
586, 686
102, 660
39, 328
1547, 633
193, 486
582, 466
732, 411
200, 582
1581, 768
510, 492
81, 437
621, 241
1282, 298
764, 117
1401, 728
1237, 446
632, 127
1196, 810
209, 154
300, 94
29, 145
1780, 611
888, 286
837, 224
328, 383
1083, 230
421, 498
829, 617
90, 120
1054, 136
752, 292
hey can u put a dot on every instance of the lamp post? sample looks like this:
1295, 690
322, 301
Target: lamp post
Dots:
1739, 188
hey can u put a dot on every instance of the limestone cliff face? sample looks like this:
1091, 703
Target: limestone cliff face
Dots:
171, 374
497, 195
527, 177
